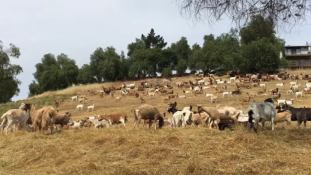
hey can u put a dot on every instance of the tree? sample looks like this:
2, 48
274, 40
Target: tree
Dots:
85, 75
8, 72
48, 74
283, 13
96, 57
260, 47
68, 70
124, 67
182, 51
110, 66
153, 41
259, 27
53, 74
105, 64
34, 89
146, 55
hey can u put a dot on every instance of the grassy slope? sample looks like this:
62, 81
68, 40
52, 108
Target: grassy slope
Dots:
129, 150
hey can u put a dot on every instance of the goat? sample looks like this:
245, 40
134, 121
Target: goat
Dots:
180, 96
91, 107
291, 102
237, 92
228, 94
74, 98
290, 92
262, 85
118, 98
280, 84
284, 116
79, 107
274, 91
299, 94
246, 99
57, 102
214, 98
292, 83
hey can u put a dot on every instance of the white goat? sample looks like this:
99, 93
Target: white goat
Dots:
208, 95
280, 84
292, 83
262, 85
228, 94
281, 101
232, 78
296, 86
205, 87
291, 102
151, 94
14, 117
80, 107
299, 94
74, 98
91, 107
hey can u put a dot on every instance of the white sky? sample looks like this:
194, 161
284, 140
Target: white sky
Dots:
78, 27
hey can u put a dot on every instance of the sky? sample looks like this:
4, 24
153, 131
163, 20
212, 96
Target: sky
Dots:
77, 27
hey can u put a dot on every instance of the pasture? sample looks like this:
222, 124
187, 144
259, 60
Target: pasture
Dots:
129, 150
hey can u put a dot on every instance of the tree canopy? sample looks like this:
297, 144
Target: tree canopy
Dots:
53, 74
254, 48
8, 72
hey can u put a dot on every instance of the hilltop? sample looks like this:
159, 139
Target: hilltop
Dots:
129, 150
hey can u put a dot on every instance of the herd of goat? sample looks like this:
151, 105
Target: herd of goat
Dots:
28, 116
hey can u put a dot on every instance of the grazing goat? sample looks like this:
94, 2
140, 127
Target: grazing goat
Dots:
237, 92
280, 84
284, 116
63, 119
148, 112
82, 99
246, 99
214, 98
274, 91
180, 96
114, 118
186, 92
261, 112
228, 94
290, 92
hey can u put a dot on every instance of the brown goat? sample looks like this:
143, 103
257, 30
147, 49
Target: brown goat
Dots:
283, 117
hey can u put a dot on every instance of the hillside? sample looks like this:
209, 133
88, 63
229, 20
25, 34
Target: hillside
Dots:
129, 150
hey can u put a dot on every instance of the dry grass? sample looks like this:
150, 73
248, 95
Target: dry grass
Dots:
191, 150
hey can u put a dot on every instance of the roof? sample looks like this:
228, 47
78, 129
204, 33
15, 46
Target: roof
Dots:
298, 55
298, 46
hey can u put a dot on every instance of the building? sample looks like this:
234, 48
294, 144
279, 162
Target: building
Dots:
300, 56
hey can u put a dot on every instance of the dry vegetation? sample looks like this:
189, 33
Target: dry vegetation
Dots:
191, 150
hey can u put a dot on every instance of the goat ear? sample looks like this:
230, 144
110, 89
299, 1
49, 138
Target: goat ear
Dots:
190, 107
